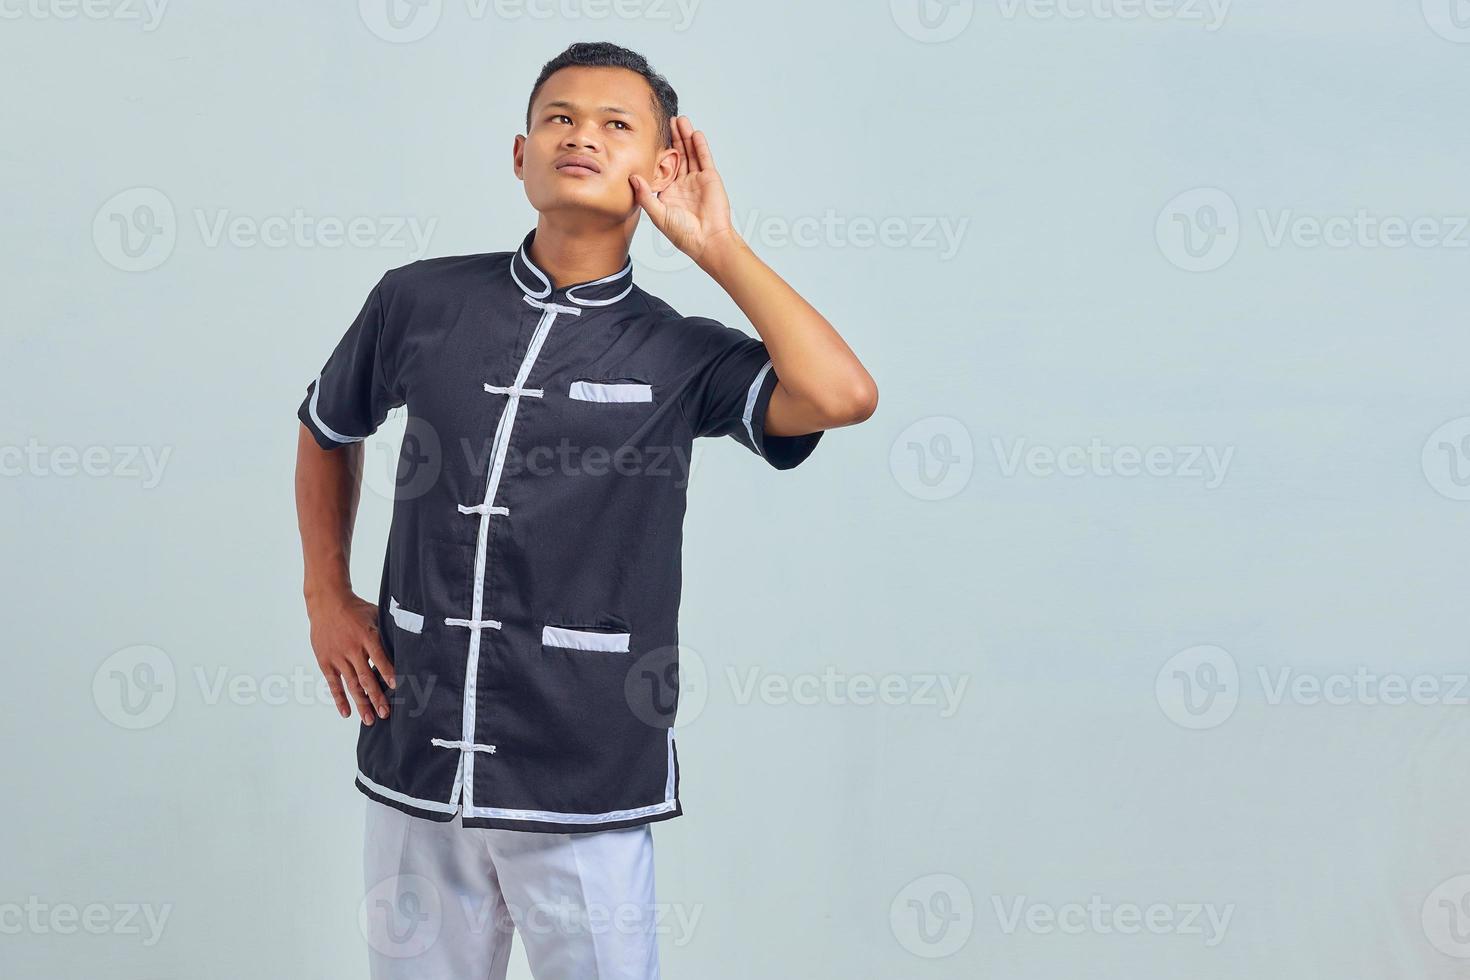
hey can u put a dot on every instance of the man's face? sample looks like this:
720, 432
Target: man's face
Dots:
591, 128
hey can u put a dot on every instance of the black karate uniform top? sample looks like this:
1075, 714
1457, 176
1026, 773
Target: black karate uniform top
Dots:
530, 592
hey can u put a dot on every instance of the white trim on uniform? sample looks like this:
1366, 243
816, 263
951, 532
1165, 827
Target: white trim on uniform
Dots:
411, 621
562, 636
513, 390
627, 268
542, 816
473, 624
326, 429
552, 816
750, 397
482, 509
598, 391
501, 444
445, 743
539, 275
553, 307
462, 793
393, 794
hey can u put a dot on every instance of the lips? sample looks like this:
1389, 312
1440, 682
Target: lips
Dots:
578, 166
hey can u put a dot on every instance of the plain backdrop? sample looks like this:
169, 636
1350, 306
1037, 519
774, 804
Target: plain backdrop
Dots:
1127, 639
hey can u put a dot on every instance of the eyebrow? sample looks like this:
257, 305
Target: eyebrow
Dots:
563, 104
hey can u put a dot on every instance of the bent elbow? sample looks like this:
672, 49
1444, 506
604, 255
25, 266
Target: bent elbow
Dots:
858, 406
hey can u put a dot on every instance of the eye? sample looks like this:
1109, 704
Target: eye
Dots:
620, 123
561, 115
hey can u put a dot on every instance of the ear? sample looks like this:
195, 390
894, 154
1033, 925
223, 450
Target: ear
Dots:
665, 169
518, 157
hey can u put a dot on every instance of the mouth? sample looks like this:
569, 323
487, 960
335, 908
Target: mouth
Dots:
576, 166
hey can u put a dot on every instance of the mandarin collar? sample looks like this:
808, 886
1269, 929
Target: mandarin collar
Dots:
537, 284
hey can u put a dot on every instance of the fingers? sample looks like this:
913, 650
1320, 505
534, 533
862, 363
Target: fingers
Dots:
369, 687
683, 133
344, 640
339, 697
693, 147
356, 681
381, 661
701, 152
647, 200
353, 684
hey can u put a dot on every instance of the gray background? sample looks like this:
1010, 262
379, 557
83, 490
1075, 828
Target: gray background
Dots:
1139, 662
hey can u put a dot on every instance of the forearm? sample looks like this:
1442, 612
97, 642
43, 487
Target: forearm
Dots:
328, 485
819, 372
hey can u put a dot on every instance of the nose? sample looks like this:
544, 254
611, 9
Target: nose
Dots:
581, 137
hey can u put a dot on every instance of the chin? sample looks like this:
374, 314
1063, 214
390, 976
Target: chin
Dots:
585, 200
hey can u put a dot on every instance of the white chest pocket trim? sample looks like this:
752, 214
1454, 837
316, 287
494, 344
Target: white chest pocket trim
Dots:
561, 636
622, 391
412, 622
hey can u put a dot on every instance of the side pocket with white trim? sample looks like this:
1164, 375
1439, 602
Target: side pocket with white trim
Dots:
410, 622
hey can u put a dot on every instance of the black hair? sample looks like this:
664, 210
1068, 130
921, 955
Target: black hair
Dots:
602, 54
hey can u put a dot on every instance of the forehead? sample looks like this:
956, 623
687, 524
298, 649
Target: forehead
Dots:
592, 88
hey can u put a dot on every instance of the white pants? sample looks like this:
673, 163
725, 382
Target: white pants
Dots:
444, 900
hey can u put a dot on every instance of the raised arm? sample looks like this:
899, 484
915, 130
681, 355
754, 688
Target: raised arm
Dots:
821, 383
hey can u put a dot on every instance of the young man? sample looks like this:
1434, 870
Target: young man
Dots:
516, 680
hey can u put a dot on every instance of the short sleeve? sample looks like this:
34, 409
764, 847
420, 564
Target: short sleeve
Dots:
731, 392
351, 396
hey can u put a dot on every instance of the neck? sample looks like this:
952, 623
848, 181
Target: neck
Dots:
572, 252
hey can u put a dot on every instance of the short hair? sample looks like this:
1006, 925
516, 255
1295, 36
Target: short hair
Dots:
603, 54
